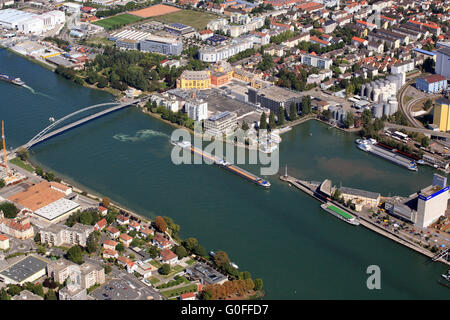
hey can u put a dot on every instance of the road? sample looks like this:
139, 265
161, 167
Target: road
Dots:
416, 129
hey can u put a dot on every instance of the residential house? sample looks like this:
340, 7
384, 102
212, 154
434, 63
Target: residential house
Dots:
113, 232
167, 256
100, 225
125, 239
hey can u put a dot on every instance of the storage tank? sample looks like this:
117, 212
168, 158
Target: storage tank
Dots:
394, 106
386, 110
376, 94
377, 110
363, 90
369, 90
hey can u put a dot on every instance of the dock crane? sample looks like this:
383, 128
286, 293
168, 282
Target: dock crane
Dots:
4, 149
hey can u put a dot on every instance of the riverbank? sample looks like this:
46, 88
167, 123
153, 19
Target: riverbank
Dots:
81, 190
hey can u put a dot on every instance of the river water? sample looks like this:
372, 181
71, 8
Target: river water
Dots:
280, 235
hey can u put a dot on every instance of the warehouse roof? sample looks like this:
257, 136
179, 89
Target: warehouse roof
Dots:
24, 268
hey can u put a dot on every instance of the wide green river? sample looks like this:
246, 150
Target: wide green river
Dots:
280, 235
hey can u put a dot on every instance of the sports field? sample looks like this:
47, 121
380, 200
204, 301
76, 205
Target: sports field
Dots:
156, 10
195, 19
117, 21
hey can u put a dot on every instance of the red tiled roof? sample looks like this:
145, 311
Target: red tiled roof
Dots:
315, 39
358, 39
112, 230
434, 78
167, 255
3, 237
187, 295
110, 243
102, 223
125, 237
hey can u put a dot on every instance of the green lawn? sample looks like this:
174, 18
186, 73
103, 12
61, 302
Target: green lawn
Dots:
195, 19
191, 262
117, 21
18, 162
153, 280
155, 264
179, 291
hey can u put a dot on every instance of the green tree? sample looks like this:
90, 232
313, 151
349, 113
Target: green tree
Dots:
272, 120
280, 116
181, 252
75, 255
4, 295
306, 105
120, 247
92, 242
107, 268
350, 120
245, 126
50, 295
190, 243
23, 154
258, 284
263, 121
165, 269
37, 237
293, 111
14, 290
221, 258
152, 251
366, 116
9, 209
425, 141
2, 183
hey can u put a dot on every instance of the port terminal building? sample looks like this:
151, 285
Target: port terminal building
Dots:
423, 208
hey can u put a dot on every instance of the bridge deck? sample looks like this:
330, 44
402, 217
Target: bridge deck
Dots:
75, 124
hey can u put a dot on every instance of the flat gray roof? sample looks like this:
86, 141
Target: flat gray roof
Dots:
362, 193
24, 268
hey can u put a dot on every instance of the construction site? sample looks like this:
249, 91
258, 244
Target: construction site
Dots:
7, 174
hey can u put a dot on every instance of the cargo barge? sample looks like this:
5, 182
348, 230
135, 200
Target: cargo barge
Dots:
372, 147
339, 213
15, 81
225, 165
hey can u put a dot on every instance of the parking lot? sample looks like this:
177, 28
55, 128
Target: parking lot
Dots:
125, 288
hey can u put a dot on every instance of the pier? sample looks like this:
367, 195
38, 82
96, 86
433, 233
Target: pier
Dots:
310, 190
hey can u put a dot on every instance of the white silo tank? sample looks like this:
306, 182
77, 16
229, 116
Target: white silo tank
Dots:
386, 110
377, 110
394, 106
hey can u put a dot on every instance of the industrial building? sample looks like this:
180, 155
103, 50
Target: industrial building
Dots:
46, 200
383, 94
30, 23
441, 116
274, 97
145, 41
423, 208
432, 84
180, 29
442, 66
220, 124
28, 269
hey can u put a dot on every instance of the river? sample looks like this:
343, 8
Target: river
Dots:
280, 235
